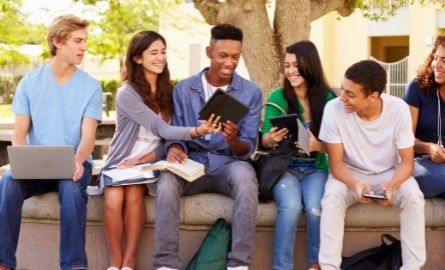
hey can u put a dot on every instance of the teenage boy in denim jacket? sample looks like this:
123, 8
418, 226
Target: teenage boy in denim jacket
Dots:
224, 155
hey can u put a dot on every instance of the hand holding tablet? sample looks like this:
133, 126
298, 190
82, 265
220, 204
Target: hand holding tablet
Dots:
295, 127
223, 105
286, 121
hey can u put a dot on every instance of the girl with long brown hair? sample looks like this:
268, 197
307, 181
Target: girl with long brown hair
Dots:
144, 109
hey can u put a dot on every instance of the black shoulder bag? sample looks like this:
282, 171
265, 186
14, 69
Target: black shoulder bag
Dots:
270, 164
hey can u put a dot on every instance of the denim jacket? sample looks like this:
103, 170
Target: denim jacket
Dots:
188, 99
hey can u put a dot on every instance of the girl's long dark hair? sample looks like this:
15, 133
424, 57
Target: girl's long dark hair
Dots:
425, 73
309, 67
133, 74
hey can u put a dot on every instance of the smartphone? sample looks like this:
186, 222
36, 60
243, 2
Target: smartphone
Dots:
374, 196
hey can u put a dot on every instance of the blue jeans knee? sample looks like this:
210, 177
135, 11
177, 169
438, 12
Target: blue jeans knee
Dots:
298, 189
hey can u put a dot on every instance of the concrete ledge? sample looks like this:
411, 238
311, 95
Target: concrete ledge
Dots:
196, 211
39, 239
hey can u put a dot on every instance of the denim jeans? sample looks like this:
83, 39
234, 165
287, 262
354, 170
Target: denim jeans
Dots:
235, 179
297, 190
73, 200
430, 177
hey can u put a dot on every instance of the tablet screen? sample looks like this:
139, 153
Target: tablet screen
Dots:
224, 105
287, 121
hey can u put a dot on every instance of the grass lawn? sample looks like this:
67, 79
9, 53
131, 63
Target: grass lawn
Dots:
5, 113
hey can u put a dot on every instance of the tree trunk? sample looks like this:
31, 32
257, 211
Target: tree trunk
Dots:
292, 21
263, 46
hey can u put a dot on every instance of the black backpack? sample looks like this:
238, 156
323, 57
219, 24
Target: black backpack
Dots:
384, 257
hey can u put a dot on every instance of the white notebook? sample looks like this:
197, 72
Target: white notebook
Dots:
121, 175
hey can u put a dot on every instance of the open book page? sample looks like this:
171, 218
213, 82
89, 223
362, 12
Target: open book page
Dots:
136, 172
189, 170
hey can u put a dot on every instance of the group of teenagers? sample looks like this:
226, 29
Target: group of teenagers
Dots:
375, 142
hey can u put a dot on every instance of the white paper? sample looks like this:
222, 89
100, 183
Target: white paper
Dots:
303, 138
135, 172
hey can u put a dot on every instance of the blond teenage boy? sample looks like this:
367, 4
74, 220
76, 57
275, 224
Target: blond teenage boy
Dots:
55, 104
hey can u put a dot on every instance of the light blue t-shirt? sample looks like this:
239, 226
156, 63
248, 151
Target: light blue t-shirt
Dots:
57, 111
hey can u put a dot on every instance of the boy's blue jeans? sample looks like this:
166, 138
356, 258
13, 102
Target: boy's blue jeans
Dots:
73, 200
235, 179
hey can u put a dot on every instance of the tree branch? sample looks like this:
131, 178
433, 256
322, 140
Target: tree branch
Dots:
209, 10
322, 7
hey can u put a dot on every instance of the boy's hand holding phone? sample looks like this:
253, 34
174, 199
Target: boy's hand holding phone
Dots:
373, 196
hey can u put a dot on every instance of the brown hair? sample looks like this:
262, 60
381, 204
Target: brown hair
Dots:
61, 27
133, 74
425, 73
310, 68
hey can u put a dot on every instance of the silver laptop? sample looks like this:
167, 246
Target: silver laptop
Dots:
41, 161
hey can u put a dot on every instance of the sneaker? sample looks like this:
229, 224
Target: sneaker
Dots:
238, 268
167, 268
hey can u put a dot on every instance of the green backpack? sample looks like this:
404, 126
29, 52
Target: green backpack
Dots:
212, 253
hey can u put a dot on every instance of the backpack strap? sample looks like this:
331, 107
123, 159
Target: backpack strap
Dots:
390, 238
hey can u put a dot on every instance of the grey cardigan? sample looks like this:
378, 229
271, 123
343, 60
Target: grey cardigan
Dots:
132, 113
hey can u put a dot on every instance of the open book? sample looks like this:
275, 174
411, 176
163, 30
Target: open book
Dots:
189, 170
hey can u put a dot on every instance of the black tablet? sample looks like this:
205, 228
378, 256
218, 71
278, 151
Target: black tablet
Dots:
286, 121
224, 105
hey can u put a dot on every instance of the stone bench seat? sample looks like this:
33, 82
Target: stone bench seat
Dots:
39, 238
204, 209
196, 211
364, 226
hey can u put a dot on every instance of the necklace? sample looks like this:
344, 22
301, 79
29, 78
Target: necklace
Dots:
209, 89
439, 120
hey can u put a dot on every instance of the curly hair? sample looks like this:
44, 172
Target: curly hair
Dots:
226, 31
133, 74
310, 68
369, 74
425, 73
